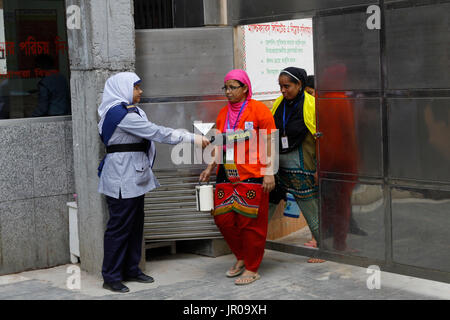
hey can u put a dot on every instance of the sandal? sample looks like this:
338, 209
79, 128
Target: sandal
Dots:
316, 260
231, 274
247, 279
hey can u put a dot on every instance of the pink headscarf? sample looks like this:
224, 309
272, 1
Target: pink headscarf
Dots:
234, 108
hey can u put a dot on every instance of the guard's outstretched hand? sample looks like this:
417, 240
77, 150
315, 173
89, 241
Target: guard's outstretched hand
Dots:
201, 141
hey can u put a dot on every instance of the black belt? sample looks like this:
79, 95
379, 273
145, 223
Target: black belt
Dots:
128, 147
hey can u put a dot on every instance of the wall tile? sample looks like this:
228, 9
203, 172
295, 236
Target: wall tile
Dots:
421, 34
418, 139
352, 218
347, 53
420, 224
49, 161
18, 237
52, 230
16, 174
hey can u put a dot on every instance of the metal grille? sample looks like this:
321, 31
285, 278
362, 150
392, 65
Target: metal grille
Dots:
170, 210
153, 14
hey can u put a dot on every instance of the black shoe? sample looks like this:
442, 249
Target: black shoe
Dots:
116, 287
143, 278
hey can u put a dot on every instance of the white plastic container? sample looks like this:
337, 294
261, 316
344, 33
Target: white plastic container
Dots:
74, 242
205, 197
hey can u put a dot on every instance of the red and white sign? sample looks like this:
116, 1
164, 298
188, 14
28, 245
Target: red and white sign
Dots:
271, 47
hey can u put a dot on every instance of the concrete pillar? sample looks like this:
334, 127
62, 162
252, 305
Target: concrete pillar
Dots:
102, 45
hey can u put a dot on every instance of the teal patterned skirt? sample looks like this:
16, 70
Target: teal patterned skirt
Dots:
300, 182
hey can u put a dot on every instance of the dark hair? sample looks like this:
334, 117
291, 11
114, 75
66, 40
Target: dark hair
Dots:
296, 72
291, 78
310, 82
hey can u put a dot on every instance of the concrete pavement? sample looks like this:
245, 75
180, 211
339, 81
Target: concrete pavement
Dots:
186, 276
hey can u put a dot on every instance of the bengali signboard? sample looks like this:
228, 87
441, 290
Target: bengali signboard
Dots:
271, 47
36, 36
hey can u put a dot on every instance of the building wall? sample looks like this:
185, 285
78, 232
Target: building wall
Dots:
36, 182
394, 83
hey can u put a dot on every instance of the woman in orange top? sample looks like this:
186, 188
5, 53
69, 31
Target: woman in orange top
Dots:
243, 180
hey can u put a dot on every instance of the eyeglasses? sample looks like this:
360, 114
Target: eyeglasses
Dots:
232, 88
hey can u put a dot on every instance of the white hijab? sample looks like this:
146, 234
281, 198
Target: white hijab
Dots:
118, 89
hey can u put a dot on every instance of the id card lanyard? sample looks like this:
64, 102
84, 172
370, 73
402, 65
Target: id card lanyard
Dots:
230, 149
284, 138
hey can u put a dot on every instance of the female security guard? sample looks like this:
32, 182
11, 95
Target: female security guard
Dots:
126, 175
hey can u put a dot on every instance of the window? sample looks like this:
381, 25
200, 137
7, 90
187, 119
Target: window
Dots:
153, 14
34, 65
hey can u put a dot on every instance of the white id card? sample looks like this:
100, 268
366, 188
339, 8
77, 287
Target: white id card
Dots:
284, 142
248, 125
230, 154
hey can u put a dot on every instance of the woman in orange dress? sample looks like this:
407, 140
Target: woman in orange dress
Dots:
243, 180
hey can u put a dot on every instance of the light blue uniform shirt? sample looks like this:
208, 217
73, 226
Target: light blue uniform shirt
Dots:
130, 173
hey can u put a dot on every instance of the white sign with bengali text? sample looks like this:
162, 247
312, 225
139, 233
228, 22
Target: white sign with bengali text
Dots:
271, 47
